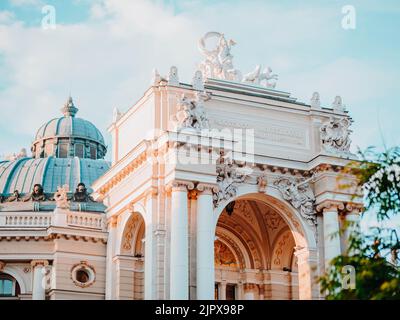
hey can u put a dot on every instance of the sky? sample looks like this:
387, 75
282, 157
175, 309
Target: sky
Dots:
103, 53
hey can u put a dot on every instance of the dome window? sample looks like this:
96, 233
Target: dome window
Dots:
93, 151
63, 150
79, 150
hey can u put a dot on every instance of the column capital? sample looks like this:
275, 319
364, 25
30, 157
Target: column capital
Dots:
330, 206
43, 263
354, 208
179, 185
2, 265
206, 188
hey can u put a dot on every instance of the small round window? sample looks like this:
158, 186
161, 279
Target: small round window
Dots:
83, 275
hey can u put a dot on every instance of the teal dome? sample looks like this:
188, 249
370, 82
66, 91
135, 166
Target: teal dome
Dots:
66, 151
50, 172
68, 137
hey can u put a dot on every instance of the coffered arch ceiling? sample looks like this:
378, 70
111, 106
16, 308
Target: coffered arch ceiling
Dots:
260, 232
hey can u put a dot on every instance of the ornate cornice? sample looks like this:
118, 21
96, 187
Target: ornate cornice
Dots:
54, 236
123, 173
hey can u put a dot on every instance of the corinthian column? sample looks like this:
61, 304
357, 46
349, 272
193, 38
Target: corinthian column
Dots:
331, 230
179, 261
205, 243
39, 286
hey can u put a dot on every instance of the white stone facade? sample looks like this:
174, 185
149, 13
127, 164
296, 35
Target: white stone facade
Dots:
219, 189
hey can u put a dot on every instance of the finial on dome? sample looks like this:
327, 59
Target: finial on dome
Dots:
69, 109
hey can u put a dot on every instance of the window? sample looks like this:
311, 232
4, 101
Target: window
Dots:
216, 292
93, 151
63, 150
79, 150
8, 286
83, 274
230, 292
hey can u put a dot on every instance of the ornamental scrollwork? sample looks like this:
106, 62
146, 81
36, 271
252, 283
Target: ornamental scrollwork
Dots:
300, 195
229, 175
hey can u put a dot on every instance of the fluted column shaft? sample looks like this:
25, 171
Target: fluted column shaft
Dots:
205, 244
179, 260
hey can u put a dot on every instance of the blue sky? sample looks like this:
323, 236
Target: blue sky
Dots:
303, 41
103, 51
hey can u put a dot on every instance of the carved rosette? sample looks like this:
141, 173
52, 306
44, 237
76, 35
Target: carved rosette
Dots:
335, 135
300, 195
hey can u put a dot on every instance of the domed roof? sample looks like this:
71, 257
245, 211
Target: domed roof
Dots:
50, 172
67, 131
69, 126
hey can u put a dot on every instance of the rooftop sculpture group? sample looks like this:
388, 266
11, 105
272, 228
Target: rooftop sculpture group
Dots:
80, 195
218, 63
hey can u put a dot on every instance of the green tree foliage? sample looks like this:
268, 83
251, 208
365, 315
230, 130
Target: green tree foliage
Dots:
373, 256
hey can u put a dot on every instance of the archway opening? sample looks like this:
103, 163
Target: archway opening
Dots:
130, 267
254, 253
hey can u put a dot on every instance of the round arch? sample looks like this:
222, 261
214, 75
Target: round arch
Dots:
17, 275
302, 232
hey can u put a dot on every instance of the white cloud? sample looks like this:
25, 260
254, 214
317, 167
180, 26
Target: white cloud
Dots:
6, 17
20, 3
107, 61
